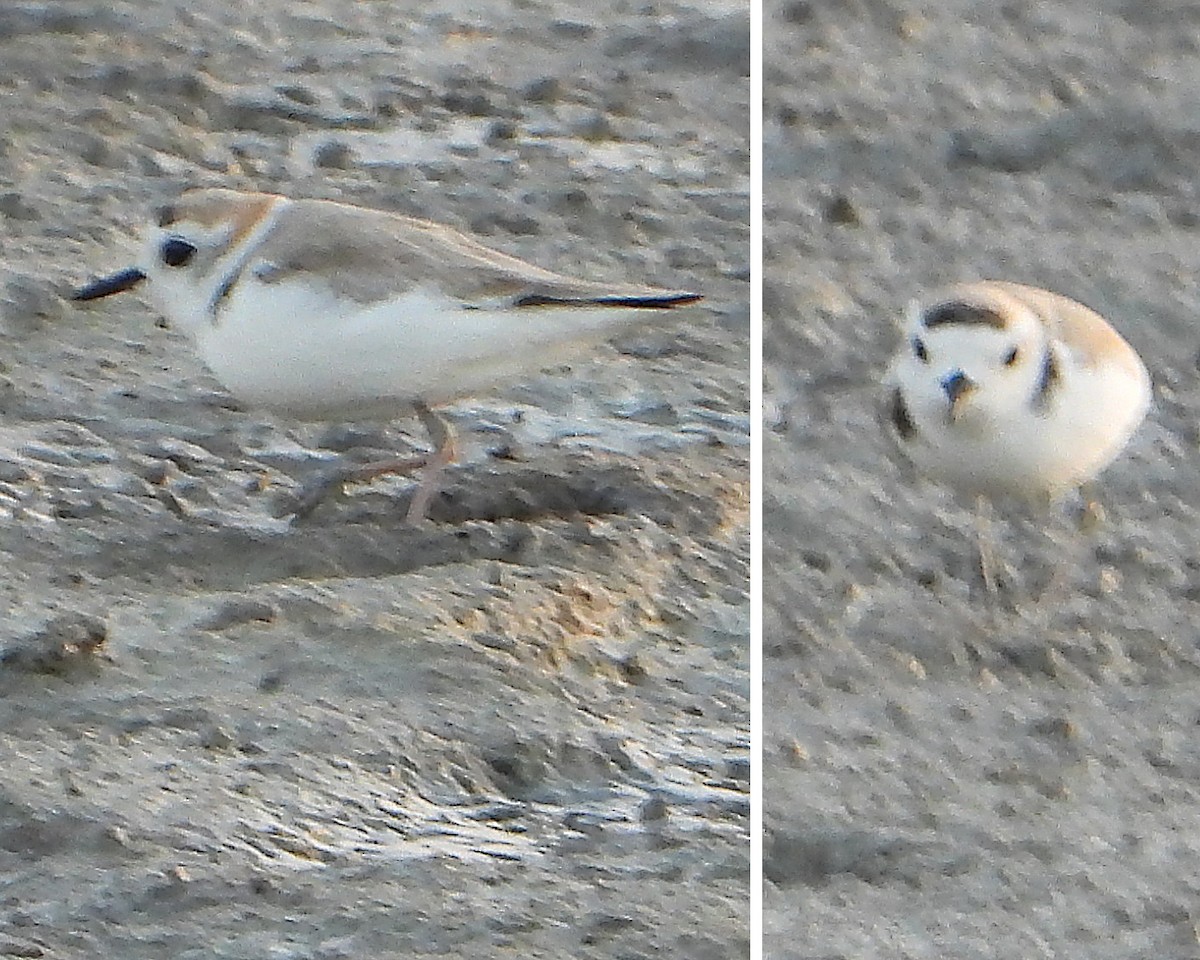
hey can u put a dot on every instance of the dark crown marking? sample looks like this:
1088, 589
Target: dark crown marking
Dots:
900, 417
958, 312
1048, 382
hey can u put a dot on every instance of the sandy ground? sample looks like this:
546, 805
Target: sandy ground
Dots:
945, 778
519, 730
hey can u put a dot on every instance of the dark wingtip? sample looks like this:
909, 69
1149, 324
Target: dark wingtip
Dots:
644, 302
106, 286
674, 300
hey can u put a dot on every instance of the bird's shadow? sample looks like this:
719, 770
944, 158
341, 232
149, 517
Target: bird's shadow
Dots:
504, 518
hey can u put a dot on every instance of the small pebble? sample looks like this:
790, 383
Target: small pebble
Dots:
238, 610
653, 809
65, 642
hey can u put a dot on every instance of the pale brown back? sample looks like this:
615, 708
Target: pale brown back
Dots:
373, 256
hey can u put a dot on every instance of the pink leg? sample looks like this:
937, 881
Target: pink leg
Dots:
445, 452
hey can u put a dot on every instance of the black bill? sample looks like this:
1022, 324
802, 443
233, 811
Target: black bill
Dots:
106, 286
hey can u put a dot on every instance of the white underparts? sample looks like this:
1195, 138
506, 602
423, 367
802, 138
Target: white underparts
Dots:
296, 347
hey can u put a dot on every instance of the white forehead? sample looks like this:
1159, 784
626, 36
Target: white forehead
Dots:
961, 344
953, 320
967, 335
1000, 313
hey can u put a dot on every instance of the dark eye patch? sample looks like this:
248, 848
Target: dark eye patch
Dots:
1012, 357
919, 351
176, 252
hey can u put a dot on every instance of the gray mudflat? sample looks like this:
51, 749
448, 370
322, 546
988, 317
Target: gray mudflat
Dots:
520, 729
946, 778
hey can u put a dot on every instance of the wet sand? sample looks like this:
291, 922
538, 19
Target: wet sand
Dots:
519, 729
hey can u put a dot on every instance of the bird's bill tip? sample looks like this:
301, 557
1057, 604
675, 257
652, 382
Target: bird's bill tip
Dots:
107, 286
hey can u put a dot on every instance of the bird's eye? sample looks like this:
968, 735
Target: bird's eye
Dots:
919, 351
176, 252
1011, 357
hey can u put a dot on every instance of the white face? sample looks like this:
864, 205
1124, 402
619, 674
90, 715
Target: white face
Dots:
185, 265
970, 367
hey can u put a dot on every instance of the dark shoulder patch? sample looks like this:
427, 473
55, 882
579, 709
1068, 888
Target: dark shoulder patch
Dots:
900, 417
957, 312
1048, 383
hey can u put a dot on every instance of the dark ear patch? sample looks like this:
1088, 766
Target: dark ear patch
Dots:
957, 312
1048, 382
900, 417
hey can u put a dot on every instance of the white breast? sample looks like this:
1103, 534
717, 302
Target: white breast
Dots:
1030, 454
294, 347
